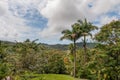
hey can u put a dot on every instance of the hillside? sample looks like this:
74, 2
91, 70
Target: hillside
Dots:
65, 46
55, 46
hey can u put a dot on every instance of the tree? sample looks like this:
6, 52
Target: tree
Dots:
109, 36
109, 33
4, 70
72, 35
54, 62
85, 29
4, 67
71, 48
25, 55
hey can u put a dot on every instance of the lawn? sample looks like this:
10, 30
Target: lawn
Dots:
50, 77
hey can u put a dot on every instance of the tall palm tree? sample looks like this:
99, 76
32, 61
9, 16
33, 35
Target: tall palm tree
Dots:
72, 35
85, 29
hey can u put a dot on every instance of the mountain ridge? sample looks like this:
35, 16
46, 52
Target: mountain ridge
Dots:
56, 46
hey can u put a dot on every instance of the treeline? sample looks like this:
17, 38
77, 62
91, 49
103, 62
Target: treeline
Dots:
29, 56
102, 62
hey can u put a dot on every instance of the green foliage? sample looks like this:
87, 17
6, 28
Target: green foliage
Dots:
20, 59
72, 35
79, 29
22, 56
109, 68
85, 29
33, 57
103, 60
47, 77
4, 70
54, 62
4, 67
109, 33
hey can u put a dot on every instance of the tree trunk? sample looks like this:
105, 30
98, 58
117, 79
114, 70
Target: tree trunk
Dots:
85, 49
117, 76
74, 59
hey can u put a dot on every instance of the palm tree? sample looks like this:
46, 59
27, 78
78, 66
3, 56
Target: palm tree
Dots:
72, 35
71, 48
85, 29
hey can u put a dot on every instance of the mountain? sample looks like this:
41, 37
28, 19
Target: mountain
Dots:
65, 46
6, 42
56, 46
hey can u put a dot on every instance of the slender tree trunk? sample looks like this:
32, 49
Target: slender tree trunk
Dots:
117, 77
74, 59
85, 49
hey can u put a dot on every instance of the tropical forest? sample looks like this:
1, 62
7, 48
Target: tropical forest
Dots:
92, 54
59, 39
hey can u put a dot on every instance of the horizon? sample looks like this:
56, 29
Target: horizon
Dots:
70, 42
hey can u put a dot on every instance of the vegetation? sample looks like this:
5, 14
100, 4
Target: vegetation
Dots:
48, 77
72, 35
85, 29
82, 28
30, 60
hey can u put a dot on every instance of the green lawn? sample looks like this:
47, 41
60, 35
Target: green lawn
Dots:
50, 77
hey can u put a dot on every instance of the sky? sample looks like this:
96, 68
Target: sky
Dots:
45, 19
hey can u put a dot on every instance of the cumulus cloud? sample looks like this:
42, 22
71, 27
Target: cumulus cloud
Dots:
105, 19
3, 8
11, 27
61, 14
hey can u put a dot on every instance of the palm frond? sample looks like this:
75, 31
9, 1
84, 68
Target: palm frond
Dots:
66, 36
80, 21
90, 35
66, 31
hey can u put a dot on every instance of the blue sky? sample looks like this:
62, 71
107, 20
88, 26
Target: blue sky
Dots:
45, 19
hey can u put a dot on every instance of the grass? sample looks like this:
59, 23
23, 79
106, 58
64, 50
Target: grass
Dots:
50, 77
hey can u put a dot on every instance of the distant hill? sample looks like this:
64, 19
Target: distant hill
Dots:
56, 46
65, 47
7, 42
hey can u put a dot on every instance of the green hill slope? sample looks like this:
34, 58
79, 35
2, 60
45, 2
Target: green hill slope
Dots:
65, 46
55, 46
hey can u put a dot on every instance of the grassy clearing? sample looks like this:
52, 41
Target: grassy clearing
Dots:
50, 77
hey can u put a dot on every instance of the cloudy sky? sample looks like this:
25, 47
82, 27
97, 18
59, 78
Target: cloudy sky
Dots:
45, 19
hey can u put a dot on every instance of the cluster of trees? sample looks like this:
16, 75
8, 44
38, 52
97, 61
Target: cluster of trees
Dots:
99, 63
4, 70
79, 29
29, 56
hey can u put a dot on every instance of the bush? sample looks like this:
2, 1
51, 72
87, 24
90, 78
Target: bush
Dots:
4, 70
55, 64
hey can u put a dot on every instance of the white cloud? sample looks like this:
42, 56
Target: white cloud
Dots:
105, 19
11, 27
3, 8
104, 6
61, 14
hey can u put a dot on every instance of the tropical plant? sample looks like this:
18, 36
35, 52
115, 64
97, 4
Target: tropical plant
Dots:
4, 66
4, 70
109, 36
109, 33
85, 29
72, 35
